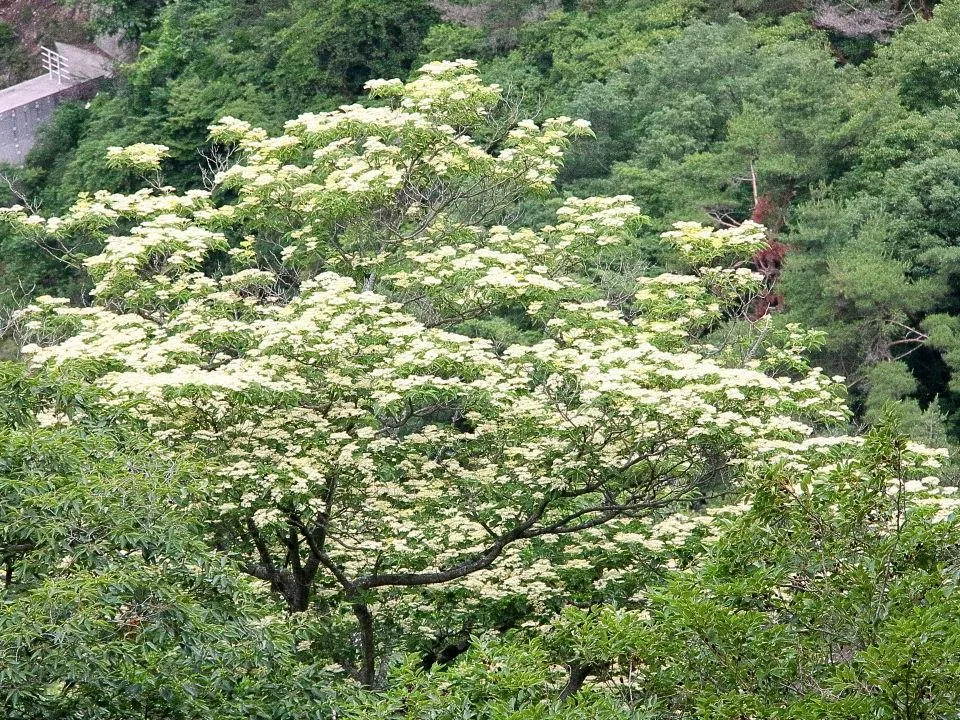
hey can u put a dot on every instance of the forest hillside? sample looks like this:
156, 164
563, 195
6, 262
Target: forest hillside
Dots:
486, 359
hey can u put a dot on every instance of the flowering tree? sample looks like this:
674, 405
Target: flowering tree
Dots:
300, 333
834, 596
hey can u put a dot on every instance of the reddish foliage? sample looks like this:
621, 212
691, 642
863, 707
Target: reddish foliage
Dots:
769, 261
767, 302
764, 210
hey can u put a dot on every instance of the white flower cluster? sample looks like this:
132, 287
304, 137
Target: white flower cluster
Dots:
140, 156
703, 245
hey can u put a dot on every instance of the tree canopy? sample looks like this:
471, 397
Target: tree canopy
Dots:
409, 422
403, 408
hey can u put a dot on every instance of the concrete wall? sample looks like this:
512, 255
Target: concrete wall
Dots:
84, 64
19, 125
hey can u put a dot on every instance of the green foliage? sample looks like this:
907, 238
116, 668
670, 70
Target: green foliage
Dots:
834, 596
446, 41
317, 58
111, 604
203, 59
15, 63
877, 249
129, 18
924, 60
568, 49
888, 383
714, 115
719, 10
132, 516
307, 317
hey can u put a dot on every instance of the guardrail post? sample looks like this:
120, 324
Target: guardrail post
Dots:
55, 64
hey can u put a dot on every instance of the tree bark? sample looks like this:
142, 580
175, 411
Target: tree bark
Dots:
368, 650
446, 654
297, 595
578, 675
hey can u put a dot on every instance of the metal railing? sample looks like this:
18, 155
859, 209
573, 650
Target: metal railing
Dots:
56, 65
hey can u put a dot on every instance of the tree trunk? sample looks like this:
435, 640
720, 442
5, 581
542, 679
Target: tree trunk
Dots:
297, 595
368, 648
578, 675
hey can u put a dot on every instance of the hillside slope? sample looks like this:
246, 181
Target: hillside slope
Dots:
25, 25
